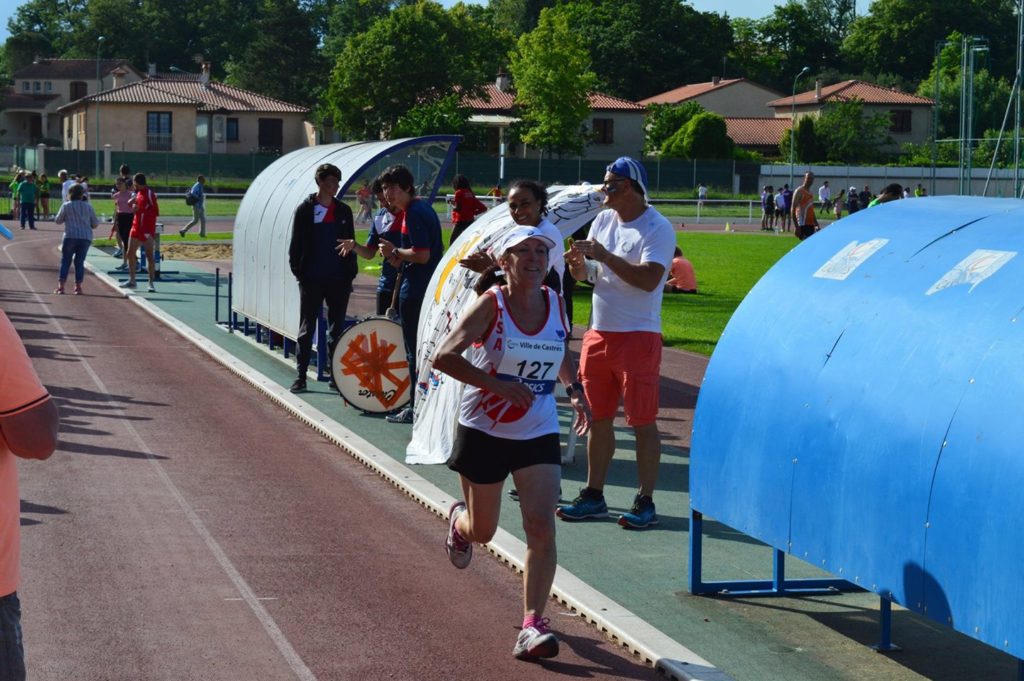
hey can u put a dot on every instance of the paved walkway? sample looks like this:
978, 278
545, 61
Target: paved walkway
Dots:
796, 639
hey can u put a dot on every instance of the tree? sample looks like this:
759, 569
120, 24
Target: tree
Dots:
808, 147
991, 94
551, 72
437, 117
280, 59
639, 49
517, 16
415, 55
664, 120
899, 36
340, 20
704, 136
847, 135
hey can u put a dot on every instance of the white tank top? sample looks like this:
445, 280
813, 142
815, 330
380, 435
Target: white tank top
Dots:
515, 355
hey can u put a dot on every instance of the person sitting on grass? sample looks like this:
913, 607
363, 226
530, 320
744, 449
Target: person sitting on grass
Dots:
681, 276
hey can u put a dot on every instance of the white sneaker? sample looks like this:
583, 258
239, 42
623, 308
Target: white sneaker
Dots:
459, 551
536, 642
151, 289
127, 284
404, 416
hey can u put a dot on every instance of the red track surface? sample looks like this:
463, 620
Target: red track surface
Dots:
189, 529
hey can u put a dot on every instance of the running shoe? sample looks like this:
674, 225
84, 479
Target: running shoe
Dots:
181, 232
128, 284
299, 386
536, 642
641, 515
404, 416
118, 253
151, 289
122, 267
59, 290
589, 504
78, 289
459, 551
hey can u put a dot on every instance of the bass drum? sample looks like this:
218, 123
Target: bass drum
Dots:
370, 367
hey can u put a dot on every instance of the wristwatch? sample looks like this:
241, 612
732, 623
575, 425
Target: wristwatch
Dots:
573, 387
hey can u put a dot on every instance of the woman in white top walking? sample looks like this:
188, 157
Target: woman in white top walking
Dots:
79, 220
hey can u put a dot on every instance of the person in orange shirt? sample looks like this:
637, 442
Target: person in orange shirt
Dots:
28, 429
681, 276
804, 222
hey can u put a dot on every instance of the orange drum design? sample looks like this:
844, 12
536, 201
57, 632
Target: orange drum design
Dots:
370, 366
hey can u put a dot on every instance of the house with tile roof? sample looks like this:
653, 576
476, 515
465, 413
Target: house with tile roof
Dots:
185, 114
616, 125
29, 107
910, 115
757, 133
727, 97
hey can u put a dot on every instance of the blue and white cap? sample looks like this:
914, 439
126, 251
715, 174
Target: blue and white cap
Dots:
631, 168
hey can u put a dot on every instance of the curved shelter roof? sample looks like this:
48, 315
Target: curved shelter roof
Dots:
264, 289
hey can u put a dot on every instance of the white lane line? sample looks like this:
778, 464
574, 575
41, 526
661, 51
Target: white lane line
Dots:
667, 655
269, 625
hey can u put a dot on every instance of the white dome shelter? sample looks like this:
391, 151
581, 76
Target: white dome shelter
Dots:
264, 289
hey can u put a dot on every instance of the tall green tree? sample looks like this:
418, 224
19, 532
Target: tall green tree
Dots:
551, 72
280, 60
704, 136
639, 49
663, 120
847, 134
518, 16
339, 20
899, 36
416, 55
808, 146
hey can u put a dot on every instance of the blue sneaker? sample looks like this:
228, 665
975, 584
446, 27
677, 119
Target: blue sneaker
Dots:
118, 253
641, 515
589, 504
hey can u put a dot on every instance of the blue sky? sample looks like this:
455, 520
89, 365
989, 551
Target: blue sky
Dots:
7, 8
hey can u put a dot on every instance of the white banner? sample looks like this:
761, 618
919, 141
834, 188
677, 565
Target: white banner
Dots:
449, 294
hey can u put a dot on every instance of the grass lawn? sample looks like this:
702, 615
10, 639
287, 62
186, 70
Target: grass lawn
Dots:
727, 267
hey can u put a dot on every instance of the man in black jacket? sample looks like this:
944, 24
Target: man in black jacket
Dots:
323, 275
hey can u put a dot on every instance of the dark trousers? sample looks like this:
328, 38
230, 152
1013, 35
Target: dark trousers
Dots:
457, 229
28, 213
313, 293
12, 651
409, 309
384, 302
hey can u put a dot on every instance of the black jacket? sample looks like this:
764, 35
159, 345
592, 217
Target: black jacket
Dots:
300, 249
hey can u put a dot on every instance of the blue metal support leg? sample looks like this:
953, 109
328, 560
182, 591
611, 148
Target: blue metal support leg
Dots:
885, 644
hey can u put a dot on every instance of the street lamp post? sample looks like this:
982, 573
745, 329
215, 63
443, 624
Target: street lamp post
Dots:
792, 123
99, 42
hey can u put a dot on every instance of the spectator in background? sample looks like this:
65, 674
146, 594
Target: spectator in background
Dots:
364, 200
496, 191
27, 192
702, 194
44, 198
852, 201
29, 422
384, 228
681, 276
825, 196
79, 220
780, 209
804, 221
864, 197
919, 191
891, 192
768, 209
321, 221
839, 203
122, 196
465, 207
65, 185
198, 208
787, 194
125, 174
420, 251
143, 231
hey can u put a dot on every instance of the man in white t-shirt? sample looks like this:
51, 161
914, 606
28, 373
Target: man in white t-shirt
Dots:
626, 258
825, 196
65, 186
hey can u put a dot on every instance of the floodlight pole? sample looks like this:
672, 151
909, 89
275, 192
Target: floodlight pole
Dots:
792, 123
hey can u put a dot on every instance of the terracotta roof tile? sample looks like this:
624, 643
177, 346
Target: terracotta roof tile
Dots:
756, 132
214, 97
848, 90
495, 101
67, 69
690, 91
